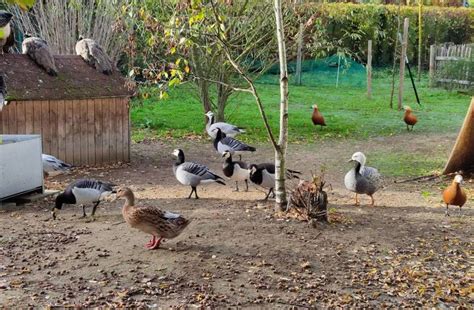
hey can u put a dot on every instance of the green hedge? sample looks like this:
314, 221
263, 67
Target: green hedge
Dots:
379, 23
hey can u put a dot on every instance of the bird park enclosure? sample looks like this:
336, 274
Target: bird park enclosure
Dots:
82, 114
452, 66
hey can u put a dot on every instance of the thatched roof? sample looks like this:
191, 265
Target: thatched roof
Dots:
76, 80
462, 155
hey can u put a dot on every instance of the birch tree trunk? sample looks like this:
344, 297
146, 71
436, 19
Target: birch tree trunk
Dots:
280, 150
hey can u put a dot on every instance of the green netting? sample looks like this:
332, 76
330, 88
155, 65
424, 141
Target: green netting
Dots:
321, 72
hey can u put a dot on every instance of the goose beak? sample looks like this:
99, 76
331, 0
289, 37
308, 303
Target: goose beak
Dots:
350, 160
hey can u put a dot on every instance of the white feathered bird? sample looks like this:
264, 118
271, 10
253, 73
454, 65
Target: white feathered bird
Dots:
229, 129
52, 164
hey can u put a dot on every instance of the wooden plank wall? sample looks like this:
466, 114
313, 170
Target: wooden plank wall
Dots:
80, 132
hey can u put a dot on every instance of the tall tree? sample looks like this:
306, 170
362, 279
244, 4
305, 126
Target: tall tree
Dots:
280, 150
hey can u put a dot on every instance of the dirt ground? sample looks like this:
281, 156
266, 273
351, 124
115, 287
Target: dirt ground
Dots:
237, 251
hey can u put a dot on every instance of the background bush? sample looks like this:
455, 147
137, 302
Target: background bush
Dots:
346, 26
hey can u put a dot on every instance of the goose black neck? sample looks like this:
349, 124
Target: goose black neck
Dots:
228, 160
357, 167
180, 158
211, 120
64, 198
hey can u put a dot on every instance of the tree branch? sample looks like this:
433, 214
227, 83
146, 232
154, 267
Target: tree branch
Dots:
253, 90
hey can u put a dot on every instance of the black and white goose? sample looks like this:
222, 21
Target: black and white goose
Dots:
193, 174
236, 170
84, 191
229, 129
222, 144
52, 164
362, 179
94, 55
264, 175
38, 50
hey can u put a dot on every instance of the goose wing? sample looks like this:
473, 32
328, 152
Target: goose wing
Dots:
93, 184
51, 163
235, 145
226, 128
267, 166
199, 170
373, 177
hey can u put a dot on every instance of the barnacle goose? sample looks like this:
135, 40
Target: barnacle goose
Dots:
84, 191
193, 174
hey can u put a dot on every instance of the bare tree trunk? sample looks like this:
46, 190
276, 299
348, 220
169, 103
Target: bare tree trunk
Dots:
223, 94
280, 150
202, 84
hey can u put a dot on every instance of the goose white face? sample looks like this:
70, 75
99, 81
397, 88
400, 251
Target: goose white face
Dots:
226, 154
458, 179
175, 153
315, 106
253, 169
209, 114
358, 157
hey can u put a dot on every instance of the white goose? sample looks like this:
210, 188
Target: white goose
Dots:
229, 129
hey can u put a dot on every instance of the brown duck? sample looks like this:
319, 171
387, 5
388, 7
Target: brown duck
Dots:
150, 219
454, 195
409, 118
317, 117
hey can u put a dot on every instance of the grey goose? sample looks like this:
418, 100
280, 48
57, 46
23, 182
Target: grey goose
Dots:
229, 129
264, 175
193, 174
38, 50
84, 191
52, 164
222, 143
236, 170
362, 179
94, 55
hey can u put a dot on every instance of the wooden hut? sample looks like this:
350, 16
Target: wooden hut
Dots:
82, 115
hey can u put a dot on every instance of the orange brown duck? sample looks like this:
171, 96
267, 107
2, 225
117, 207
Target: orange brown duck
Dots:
454, 195
317, 117
409, 118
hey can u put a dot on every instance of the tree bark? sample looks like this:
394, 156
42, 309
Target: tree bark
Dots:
280, 150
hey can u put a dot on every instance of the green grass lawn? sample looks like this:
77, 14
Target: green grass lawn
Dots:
347, 111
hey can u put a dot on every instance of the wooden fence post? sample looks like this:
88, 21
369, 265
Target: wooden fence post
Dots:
420, 36
402, 62
369, 69
299, 55
432, 64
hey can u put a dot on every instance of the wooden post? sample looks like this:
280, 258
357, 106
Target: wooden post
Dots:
369, 69
299, 55
402, 62
432, 64
420, 36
